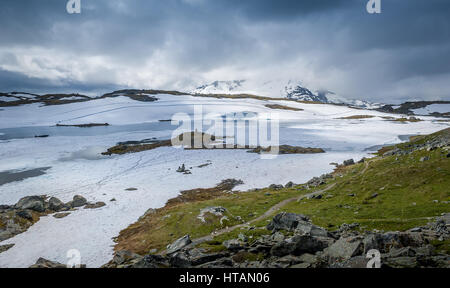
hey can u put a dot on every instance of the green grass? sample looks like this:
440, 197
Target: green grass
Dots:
406, 190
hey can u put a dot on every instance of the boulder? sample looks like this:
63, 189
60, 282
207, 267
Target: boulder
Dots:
78, 201
233, 245
298, 245
306, 228
283, 248
286, 221
6, 247
277, 237
180, 260
345, 248
179, 244
35, 203
349, 162
290, 184
55, 204
153, 261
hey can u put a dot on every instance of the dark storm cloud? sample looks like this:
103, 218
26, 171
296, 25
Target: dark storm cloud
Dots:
177, 43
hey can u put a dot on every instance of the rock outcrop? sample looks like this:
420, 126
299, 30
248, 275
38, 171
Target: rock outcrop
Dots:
16, 219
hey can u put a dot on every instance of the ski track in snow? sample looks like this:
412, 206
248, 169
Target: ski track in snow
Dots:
153, 172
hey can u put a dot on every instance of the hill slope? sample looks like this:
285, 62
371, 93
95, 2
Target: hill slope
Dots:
405, 186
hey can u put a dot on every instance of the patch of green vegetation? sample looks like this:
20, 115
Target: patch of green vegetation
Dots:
391, 194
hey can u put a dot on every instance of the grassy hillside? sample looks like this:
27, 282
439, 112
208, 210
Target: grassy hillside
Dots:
395, 192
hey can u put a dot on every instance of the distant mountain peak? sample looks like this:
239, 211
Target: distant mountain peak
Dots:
290, 89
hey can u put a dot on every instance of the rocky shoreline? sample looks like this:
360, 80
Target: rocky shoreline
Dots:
16, 219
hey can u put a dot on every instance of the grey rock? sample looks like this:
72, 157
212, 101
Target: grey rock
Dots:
345, 248
55, 204
354, 262
233, 245
4, 248
306, 228
290, 184
199, 257
277, 237
35, 203
153, 261
400, 262
179, 244
78, 201
286, 221
349, 162
180, 260
308, 258
299, 244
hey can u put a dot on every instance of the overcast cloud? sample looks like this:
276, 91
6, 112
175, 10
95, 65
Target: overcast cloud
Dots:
401, 54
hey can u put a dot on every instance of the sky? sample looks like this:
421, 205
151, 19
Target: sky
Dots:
401, 54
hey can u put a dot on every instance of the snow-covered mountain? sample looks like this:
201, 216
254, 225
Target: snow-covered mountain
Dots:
291, 89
